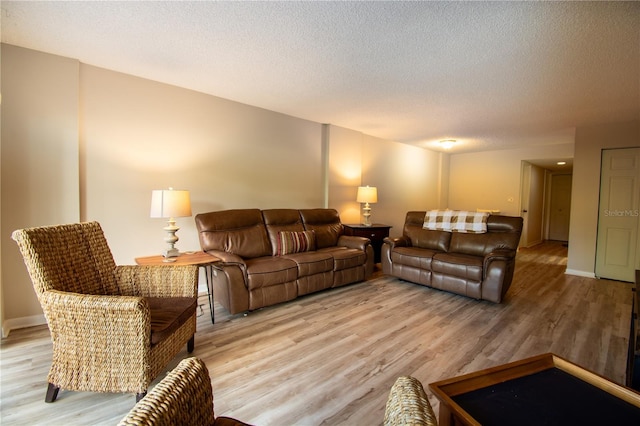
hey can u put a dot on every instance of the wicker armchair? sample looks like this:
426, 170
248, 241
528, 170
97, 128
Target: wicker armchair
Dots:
184, 397
114, 328
408, 404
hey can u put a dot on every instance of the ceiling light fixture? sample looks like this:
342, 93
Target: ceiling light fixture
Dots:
447, 143
561, 163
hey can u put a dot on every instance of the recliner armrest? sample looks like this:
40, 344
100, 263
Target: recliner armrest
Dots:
397, 242
352, 241
499, 254
227, 257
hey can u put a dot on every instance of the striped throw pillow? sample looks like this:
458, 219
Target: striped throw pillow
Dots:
295, 242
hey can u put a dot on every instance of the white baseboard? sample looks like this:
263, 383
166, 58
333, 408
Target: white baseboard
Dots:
580, 273
23, 322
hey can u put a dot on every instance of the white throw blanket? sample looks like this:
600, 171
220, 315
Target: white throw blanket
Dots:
456, 221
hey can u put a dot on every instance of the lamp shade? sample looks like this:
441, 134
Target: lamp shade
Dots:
367, 194
170, 203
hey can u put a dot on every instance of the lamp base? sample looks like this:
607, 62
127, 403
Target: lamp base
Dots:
172, 252
171, 238
366, 214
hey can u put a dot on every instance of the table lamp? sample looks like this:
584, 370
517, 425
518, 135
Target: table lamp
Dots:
367, 194
170, 203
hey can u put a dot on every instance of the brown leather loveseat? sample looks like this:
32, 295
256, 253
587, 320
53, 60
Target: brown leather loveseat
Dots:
272, 256
477, 265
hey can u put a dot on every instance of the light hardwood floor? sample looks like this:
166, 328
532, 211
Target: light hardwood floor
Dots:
331, 358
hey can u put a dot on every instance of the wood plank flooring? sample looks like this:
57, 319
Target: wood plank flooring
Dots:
331, 358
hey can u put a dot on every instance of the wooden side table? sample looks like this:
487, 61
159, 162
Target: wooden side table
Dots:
376, 233
199, 258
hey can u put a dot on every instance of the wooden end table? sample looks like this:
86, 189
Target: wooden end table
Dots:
376, 233
199, 258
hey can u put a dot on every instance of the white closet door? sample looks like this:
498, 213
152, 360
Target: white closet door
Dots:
619, 214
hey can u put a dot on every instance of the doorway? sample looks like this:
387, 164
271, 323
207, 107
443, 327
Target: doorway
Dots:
545, 197
559, 207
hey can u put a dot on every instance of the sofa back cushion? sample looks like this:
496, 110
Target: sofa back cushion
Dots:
241, 232
281, 220
424, 238
503, 232
325, 223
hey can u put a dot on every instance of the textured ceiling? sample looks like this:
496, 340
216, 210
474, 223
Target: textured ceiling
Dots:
492, 75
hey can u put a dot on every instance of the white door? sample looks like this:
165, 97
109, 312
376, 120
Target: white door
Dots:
619, 214
532, 204
524, 202
560, 207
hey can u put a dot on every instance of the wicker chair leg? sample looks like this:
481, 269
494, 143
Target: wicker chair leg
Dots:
191, 344
52, 393
139, 396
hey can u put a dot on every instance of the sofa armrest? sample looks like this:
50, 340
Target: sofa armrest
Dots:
498, 254
226, 257
352, 241
397, 242
230, 288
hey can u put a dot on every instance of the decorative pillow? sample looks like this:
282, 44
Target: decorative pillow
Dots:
456, 221
295, 242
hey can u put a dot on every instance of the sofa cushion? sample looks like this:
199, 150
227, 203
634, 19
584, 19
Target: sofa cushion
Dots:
295, 242
311, 263
278, 220
241, 232
427, 239
424, 238
268, 271
326, 224
413, 256
168, 314
345, 258
458, 265
504, 233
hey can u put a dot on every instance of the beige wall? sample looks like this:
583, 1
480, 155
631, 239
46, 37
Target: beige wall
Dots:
84, 143
491, 179
590, 141
407, 178
39, 163
139, 135
345, 172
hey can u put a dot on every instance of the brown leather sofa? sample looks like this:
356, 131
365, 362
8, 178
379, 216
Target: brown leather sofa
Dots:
477, 265
255, 271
